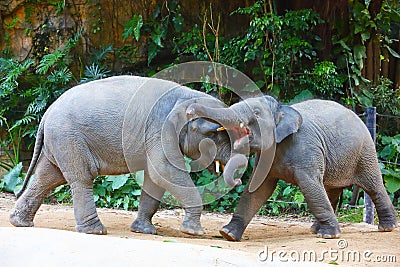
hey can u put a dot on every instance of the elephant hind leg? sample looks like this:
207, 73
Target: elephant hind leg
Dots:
47, 177
311, 185
372, 184
87, 220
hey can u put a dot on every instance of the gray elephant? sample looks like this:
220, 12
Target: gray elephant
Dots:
320, 146
120, 125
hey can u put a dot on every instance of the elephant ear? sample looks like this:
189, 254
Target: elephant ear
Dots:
289, 122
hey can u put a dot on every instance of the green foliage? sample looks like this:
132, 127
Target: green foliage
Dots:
323, 79
12, 181
350, 40
117, 192
389, 154
13, 141
133, 27
286, 198
28, 88
382, 96
281, 50
122, 191
166, 18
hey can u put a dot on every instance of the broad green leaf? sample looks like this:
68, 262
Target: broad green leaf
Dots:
391, 51
288, 190
302, 96
137, 192
118, 181
133, 27
139, 176
12, 178
359, 52
152, 52
100, 190
392, 184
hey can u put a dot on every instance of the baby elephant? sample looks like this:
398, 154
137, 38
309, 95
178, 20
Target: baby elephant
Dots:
320, 146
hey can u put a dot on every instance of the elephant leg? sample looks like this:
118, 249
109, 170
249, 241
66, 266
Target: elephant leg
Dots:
149, 203
311, 186
375, 188
87, 220
333, 195
47, 177
181, 186
249, 205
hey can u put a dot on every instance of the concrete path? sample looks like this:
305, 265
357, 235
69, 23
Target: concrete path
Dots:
48, 247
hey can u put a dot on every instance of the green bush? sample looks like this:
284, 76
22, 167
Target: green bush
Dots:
279, 52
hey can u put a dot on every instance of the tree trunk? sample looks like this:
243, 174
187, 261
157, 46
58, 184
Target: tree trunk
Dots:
369, 61
385, 63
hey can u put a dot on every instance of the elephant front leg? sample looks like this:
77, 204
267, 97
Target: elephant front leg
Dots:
181, 186
333, 195
249, 205
87, 220
149, 203
319, 204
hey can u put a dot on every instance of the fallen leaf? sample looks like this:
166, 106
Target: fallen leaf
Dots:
171, 240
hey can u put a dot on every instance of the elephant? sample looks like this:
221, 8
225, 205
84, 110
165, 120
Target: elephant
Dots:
120, 125
319, 145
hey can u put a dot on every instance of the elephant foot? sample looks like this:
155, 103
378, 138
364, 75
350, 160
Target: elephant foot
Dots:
326, 231
191, 228
329, 232
315, 227
143, 226
97, 229
234, 230
388, 227
18, 220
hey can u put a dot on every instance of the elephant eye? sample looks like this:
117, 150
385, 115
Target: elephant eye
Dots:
256, 113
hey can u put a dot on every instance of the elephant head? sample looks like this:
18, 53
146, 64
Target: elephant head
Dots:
199, 137
259, 123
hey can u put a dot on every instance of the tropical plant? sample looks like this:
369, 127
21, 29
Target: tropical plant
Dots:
390, 159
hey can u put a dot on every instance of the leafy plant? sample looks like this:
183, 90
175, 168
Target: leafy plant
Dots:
389, 155
383, 96
164, 19
12, 181
121, 191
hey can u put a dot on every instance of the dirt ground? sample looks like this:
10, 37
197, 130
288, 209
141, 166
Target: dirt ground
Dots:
282, 240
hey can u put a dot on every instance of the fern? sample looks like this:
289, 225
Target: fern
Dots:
94, 72
49, 61
98, 56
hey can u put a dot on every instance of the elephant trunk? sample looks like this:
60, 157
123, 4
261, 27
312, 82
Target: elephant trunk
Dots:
224, 116
237, 161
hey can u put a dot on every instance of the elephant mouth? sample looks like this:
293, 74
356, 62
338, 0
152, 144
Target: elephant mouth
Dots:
241, 134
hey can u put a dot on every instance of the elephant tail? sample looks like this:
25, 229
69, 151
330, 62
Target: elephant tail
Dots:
36, 152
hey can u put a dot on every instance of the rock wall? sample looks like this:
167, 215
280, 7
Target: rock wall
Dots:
33, 28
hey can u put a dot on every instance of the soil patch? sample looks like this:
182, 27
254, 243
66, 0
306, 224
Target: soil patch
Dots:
279, 239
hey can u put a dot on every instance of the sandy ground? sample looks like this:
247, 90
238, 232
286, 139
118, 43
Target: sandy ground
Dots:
265, 240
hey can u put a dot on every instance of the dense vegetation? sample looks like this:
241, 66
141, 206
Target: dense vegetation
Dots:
283, 53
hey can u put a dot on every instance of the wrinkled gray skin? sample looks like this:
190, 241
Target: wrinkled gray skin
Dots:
322, 147
90, 131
